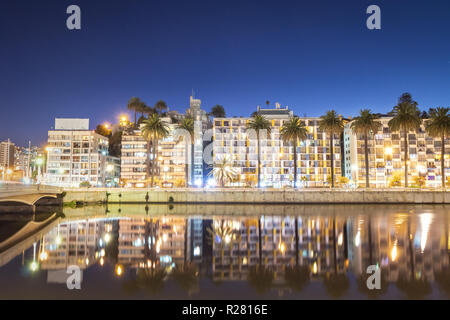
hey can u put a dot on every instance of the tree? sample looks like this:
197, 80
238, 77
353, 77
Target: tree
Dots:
135, 105
114, 144
438, 126
188, 125
223, 171
293, 131
364, 124
258, 123
161, 106
406, 117
153, 129
218, 111
102, 130
332, 124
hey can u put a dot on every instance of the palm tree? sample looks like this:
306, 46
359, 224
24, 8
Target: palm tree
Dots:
257, 123
223, 171
186, 275
363, 124
161, 105
188, 125
136, 105
332, 124
439, 126
153, 129
218, 111
406, 117
294, 130
150, 280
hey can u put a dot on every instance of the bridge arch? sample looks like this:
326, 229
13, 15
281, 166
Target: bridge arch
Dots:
28, 199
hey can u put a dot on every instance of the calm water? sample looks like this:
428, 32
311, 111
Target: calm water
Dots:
223, 252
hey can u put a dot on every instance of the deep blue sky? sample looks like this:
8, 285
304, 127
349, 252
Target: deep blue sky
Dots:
310, 55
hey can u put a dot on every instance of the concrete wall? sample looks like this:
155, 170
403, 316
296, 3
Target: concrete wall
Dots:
238, 196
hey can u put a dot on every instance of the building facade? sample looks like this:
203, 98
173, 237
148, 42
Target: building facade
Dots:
231, 139
7, 154
386, 157
75, 154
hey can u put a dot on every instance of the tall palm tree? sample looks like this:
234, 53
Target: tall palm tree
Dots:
188, 125
161, 106
257, 123
294, 130
153, 129
406, 117
439, 126
136, 105
223, 171
363, 124
332, 124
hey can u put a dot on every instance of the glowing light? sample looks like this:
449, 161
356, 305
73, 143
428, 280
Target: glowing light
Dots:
358, 239
119, 270
227, 239
109, 168
102, 253
164, 237
388, 151
58, 240
340, 239
102, 261
87, 261
394, 251
43, 256
107, 237
196, 251
34, 266
198, 182
282, 247
425, 221
315, 268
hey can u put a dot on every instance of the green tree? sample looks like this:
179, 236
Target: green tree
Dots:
161, 106
294, 130
114, 144
135, 105
152, 130
364, 124
102, 130
332, 124
188, 125
258, 123
218, 111
438, 126
406, 117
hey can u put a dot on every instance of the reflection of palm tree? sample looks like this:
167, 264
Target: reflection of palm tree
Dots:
443, 277
260, 277
150, 280
297, 277
414, 287
375, 293
335, 283
186, 276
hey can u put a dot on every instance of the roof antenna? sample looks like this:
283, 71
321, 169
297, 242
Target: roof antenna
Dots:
193, 93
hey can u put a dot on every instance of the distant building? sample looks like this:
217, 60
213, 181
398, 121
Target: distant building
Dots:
201, 123
75, 154
7, 152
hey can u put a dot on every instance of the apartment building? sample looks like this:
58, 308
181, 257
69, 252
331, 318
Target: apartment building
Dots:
386, 156
7, 151
231, 138
171, 156
75, 154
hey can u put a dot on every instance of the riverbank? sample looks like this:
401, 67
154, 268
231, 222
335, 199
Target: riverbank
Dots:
254, 196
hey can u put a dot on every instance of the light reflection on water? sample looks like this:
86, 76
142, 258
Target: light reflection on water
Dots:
222, 252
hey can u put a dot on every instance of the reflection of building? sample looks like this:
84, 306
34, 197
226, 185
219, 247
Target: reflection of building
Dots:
386, 156
232, 138
237, 250
75, 154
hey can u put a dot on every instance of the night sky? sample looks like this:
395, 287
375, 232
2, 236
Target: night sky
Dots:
309, 55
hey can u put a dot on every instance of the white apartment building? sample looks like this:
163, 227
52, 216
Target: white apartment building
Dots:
75, 154
171, 156
313, 154
7, 150
386, 156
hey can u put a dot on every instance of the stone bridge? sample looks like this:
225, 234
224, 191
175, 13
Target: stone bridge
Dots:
27, 194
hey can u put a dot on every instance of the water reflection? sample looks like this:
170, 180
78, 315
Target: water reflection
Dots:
278, 253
